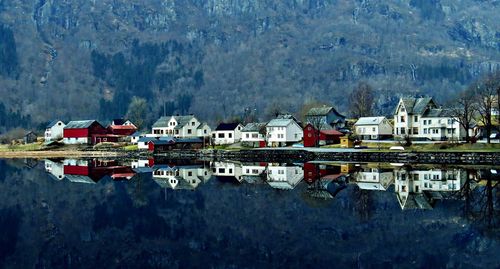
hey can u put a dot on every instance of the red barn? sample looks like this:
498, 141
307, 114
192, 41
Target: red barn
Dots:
326, 137
84, 171
83, 132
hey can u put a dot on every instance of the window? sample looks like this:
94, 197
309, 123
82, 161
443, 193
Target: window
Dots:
230, 135
402, 119
221, 135
281, 172
213, 135
415, 130
373, 129
430, 122
425, 130
192, 123
230, 170
190, 173
425, 122
177, 132
255, 135
189, 131
205, 131
415, 118
222, 170
247, 135
403, 131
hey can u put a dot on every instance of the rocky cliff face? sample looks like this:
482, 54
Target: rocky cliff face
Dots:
240, 53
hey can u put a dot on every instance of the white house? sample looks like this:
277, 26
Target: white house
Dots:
281, 132
227, 133
284, 177
180, 126
421, 118
254, 134
54, 131
55, 169
373, 128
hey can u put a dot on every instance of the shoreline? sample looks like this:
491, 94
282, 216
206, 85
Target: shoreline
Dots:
277, 155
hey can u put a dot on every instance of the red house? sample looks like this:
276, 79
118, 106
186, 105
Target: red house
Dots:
84, 171
83, 132
326, 137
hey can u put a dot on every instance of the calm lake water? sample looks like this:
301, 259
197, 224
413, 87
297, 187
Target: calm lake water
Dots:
182, 214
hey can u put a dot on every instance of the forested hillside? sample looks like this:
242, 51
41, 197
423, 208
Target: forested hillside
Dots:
87, 59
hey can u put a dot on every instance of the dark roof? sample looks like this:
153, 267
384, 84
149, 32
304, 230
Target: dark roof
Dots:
181, 121
146, 139
227, 126
417, 105
80, 124
189, 140
438, 112
323, 111
52, 123
254, 127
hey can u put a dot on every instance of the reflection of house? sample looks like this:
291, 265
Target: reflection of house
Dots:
55, 169
252, 172
84, 171
314, 171
420, 188
227, 171
373, 128
142, 163
186, 177
374, 179
283, 176
54, 131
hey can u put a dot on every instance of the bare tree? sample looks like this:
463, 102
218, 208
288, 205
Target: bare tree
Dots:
137, 111
361, 100
464, 111
486, 101
318, 123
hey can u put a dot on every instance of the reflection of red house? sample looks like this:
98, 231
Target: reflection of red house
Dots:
326, 137
314, 171
95, 170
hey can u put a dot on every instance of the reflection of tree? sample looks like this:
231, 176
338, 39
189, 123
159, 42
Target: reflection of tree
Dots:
138, 194
363, 203
480, 202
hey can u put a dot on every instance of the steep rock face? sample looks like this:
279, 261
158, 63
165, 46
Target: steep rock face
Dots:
242, 53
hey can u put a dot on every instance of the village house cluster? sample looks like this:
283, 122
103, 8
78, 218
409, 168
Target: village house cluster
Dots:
414, 118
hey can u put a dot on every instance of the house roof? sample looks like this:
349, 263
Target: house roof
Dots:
162, 122
189, 140
438, 112
279, 122
146, 139
52, 123
416, 105
137, 134
78, 124
322, 111
182, 121
370, 120
123, 127
227, 126
331, 132
254, 127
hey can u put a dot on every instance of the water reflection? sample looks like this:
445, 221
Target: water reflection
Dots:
418, 187
156, 213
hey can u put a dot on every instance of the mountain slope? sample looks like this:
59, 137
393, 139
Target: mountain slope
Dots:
88, 58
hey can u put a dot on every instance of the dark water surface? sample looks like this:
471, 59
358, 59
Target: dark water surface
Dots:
164, 214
